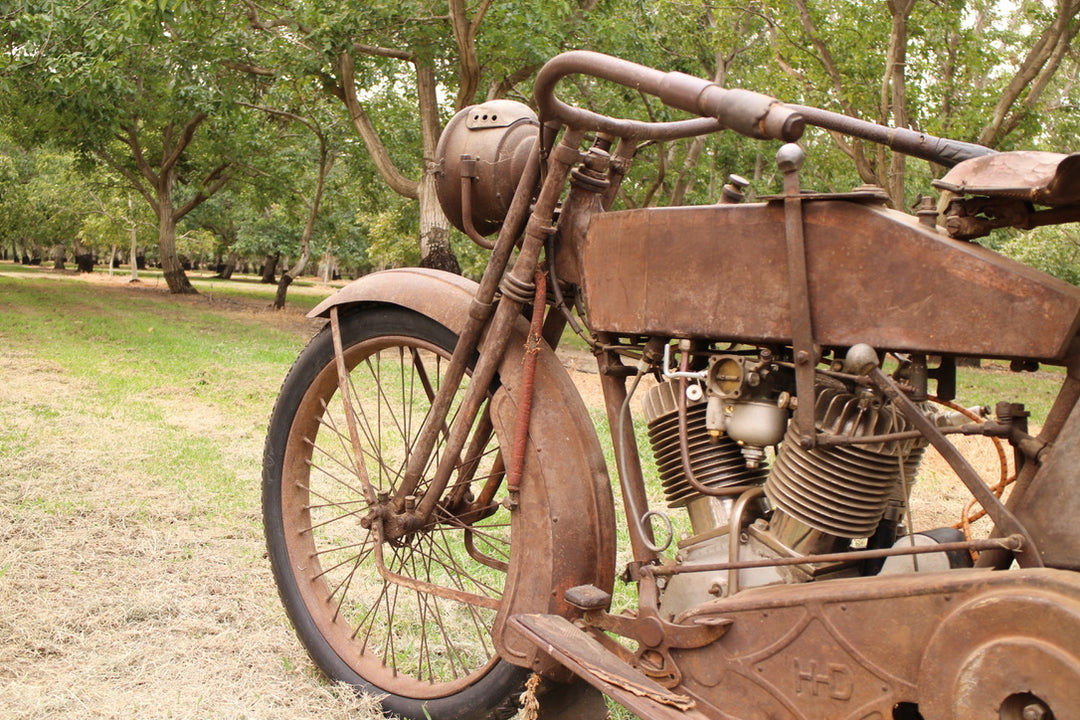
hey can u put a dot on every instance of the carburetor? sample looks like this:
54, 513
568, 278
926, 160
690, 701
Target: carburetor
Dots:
745, 403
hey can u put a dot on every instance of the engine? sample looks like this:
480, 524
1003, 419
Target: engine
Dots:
747, 501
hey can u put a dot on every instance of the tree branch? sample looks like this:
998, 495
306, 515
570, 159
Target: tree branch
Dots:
131, 177
249, 68
465, 39
169, 161
1042, 59
389, 172
131, 138
376, 51
503, 87
213, 182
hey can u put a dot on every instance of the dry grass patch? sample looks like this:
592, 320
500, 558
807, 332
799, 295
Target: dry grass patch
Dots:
132, 591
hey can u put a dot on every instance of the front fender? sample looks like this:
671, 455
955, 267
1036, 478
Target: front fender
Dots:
563, 528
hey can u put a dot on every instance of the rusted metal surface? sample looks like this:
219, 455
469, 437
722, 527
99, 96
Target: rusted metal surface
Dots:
1012, 544
494, 140
790, 161
1044, 178
943, 151
1051, 505
746, 112
795, 276
876, 276
958, 646
528, 384
856, 649
590, 660
1004, 520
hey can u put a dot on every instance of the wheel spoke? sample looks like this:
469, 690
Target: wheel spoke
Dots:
420, 625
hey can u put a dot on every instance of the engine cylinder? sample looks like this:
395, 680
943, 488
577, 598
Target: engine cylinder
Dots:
716, 461
843, 491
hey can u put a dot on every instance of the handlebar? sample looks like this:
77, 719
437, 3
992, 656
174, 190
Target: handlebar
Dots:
744, 111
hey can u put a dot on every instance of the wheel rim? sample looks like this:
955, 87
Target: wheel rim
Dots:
400, 639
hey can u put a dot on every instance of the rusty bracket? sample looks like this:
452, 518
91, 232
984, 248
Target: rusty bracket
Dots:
789, 159
448, 593
655, 636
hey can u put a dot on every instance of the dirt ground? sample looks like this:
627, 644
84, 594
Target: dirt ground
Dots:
124, 598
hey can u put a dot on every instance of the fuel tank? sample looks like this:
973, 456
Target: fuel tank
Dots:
876, 276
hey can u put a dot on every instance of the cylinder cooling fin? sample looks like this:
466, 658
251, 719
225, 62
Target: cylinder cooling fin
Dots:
843, 490
716, 461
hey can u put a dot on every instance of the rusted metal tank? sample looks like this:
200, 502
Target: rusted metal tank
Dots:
876, 276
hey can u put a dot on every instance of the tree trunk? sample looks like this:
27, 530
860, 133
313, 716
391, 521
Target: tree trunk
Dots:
282, 289
894, 96
326, 161
327, 267
59, 257
435, 249
84, 257
171, 267
269, 271
229, 267
133, 256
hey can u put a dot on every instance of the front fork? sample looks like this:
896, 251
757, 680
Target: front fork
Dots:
488, 330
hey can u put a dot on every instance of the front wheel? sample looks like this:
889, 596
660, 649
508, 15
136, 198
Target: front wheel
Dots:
416, 630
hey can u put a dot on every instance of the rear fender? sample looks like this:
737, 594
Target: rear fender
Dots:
563, 528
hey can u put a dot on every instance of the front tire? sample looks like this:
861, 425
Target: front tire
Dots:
425, 645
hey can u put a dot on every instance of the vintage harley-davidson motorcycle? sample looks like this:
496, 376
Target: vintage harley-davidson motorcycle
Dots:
439, 511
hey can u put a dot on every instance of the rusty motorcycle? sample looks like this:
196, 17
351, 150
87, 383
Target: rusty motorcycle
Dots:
440, 518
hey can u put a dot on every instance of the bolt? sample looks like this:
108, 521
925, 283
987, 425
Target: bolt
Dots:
1035, 711
790, 158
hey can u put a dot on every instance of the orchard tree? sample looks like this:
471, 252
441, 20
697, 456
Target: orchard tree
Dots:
401, 69
975, 70
305, 158
115, 217
40, 208
138, 87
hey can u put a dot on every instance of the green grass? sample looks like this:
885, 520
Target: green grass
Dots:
195, 375
994, 382
303, 294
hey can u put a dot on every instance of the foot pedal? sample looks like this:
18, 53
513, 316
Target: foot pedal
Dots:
588, 597
581, 653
